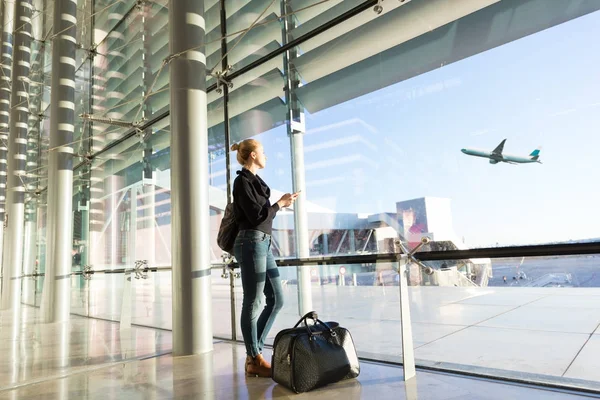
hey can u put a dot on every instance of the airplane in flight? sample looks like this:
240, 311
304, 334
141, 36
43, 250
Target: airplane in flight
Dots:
496, 155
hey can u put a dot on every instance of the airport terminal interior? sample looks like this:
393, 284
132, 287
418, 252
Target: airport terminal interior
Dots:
444, 153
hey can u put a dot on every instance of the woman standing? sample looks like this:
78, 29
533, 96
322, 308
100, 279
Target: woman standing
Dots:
252, 249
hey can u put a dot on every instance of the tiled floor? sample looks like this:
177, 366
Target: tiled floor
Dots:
33, 351
92, 359
522, 330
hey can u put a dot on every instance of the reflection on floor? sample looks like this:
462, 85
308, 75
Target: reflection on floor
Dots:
546, 331
35, 351
89, 359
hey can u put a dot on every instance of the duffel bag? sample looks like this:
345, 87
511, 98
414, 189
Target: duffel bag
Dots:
310, 356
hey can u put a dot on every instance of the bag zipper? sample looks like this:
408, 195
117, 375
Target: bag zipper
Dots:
290, 354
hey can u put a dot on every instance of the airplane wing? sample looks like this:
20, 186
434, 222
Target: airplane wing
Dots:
498, 150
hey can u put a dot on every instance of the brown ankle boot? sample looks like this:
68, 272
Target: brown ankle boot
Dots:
258, 366
263, 361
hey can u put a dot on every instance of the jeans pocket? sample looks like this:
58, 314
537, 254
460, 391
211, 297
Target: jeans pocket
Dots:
255, 238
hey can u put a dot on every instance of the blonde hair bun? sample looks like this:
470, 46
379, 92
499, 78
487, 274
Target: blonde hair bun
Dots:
244, 150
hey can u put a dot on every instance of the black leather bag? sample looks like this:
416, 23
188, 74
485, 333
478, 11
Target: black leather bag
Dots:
310, 356
228, 230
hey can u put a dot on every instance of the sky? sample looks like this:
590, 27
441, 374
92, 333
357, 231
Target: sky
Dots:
404, 142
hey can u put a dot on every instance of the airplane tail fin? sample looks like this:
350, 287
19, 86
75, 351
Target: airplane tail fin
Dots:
535, 155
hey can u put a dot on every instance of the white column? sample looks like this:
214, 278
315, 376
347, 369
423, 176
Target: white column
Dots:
8, 13
33, 157
57, 285
17, 157
192, 304
296, 128
301, 222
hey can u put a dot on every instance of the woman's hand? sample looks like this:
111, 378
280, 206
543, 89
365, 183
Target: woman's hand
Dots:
287, 200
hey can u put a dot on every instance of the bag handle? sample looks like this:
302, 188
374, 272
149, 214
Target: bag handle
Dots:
314, 316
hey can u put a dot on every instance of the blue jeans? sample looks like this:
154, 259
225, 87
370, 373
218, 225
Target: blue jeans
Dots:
260, 274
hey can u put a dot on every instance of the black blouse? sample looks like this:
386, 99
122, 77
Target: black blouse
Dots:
251, 202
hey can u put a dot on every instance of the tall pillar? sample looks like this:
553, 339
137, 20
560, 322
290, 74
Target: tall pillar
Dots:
97, 141
147, 189
33, 154
192, 303
17, 153
106, 88
8, 13
301, 222
57, 285
84, 173
296, 128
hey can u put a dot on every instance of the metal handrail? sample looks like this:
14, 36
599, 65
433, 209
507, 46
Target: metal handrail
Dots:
418, 257
449, 255
123, 270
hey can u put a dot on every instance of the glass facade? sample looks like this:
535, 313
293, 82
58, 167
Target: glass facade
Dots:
470, 124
